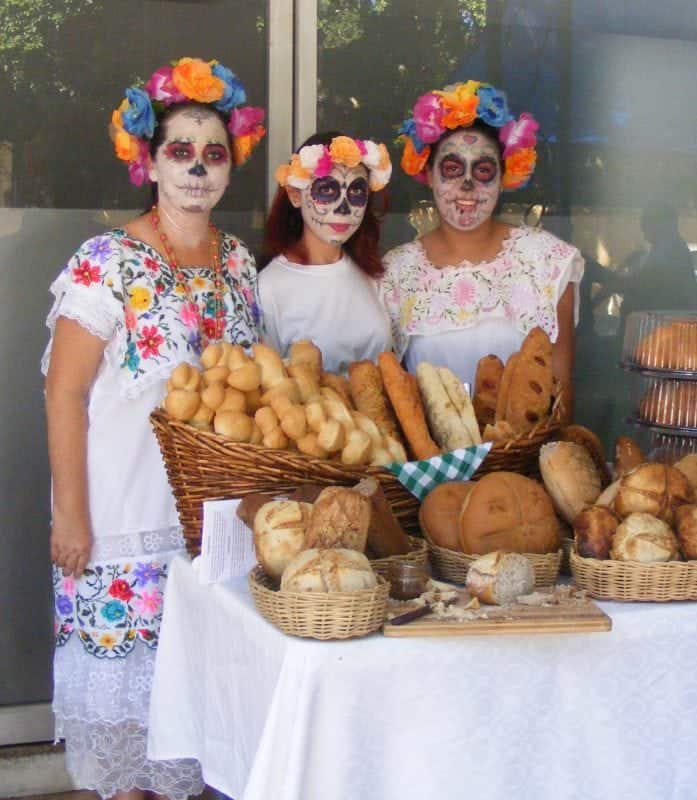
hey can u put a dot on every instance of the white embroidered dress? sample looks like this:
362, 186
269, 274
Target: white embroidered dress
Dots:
107, 623
452, 316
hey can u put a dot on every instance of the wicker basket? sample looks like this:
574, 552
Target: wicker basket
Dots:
453, 566
418, 555
630, 580
320, 615
567, 545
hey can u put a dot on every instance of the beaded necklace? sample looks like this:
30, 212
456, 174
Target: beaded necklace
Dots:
180, 278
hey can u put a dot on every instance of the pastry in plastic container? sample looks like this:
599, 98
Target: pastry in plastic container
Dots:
666, 402
661, 340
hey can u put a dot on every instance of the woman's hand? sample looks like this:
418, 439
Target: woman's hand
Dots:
71, 545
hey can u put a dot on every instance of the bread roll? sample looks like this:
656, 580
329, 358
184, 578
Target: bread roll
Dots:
507, 511
656, 489
181, 404
340, 518
439, 513
358, 448
686, 530
607, 497
404, 395
270, 364
499, 578
586, 438
385, 535
279, 534
644, 538
309, 355
594, 529
246, 378
369, 397
339, 385
628, 456
304, 377
688, 467
570, 476
337, 570
487, 379
235, 425
186, 377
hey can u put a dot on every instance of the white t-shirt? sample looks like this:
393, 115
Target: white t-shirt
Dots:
336, 306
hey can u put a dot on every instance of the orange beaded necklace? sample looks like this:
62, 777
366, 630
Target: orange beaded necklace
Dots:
180, 278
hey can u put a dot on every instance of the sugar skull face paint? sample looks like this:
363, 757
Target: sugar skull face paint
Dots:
192, 167
466, 179
333, 206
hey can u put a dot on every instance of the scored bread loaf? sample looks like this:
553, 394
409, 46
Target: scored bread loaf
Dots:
645, 538
570, 476
439, 513
594, 530
586, 438
338, 570
532, 382
688, 466
653, 488
498, 578
487, 379
340, 518
279, 534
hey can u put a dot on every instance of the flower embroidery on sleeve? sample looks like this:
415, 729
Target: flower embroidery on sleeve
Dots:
86, 274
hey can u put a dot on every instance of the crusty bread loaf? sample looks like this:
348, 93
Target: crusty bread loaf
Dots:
385, 535
579, 434
628, 456
369, 397
507, 511
686, 530
445, 421
340, 518
505, 387
279, 534
439, 513
487, 379
570, 476
656, 489
531, 383
607, 497
688, 466
594, 530
644, 538
404, 395
337, 570
499, 578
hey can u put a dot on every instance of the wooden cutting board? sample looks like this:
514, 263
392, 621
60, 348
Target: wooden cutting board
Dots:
515, 619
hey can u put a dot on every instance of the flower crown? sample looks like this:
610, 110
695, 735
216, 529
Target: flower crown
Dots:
458, 106
318, 160
133, 123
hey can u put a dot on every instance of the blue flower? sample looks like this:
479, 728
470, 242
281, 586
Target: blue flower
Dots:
64, 604
138, 117
99, 249
234, 94
408, 128
132, 359
144, 573
493, 108
114, 611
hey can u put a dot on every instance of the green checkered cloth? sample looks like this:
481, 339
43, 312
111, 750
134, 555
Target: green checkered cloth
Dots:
458, 465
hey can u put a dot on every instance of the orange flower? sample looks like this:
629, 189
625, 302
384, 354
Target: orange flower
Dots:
460, 112
127, 147
384, 162
413, 162
344, 150
243, 146
296, 170
518, 167
195, 80
282, 174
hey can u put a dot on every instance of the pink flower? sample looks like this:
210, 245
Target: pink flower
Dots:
190, 315
69, 586
245, 120
148, 603
160, 87
519, 134
138, 170
361, 146
130, 319
464, 292
151, 264
150, 341
428, 116
324, 165
86, 274
523, 299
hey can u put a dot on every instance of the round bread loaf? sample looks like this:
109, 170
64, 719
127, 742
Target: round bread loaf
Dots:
672, 403
340, 518
498, 578
439, 513
686, 530
607, 496
586, 438
507, 511
644, 538
594, 529
656, 489
688, 466
337, 570
570, 476
279, 534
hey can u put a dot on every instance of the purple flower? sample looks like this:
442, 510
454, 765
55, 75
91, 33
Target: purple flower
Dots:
145, 573
99, 249
138, 118
64, 605
519, 134
161, 88
245, 120
233, 94
493, 108
428, 116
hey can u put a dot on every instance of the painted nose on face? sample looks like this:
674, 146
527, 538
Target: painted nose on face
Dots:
343, 207
468, 184
198, 170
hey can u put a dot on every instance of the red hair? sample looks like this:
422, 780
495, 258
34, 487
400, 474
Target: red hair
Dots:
284, 227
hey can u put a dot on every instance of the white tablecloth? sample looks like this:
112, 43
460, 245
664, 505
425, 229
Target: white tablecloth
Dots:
596, 716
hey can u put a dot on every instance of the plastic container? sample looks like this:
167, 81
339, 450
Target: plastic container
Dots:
661, 342
665, 404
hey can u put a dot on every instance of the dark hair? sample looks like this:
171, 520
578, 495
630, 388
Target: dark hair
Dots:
161, 118
478, 126
284, 226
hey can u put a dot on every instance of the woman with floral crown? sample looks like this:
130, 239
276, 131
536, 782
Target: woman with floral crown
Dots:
475, 285
321, 251
130, 306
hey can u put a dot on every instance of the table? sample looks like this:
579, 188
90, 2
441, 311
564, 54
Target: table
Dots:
593, 716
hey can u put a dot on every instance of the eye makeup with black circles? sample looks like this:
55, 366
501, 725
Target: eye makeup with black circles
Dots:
325, 190
485, 169
215, 154
179, 151
451, 167
357, 192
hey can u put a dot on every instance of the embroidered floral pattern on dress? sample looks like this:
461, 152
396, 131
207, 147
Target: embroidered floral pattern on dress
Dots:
111, 606
119, 285
520, 285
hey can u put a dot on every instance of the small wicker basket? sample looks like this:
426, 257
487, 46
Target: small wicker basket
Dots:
453, 566
320, 615
631, 580
418, 555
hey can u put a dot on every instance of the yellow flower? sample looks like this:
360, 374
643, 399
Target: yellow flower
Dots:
107, 640
199, 283
141, 298
131, 635
195, 80
344, 150
282, 174
179, 289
